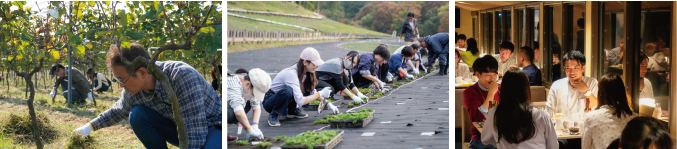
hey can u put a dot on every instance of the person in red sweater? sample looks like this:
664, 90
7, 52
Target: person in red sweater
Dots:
477, 98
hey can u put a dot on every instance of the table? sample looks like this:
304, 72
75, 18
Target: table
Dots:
563, 136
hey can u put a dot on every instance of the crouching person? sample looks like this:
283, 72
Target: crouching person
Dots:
145, 103
245, 93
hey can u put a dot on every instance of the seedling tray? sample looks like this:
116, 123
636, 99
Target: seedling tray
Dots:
313, 107
349, 123
331, 144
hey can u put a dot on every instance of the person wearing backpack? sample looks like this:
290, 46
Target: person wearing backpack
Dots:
100, 83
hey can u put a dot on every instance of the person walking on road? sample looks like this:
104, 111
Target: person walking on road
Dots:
409, 29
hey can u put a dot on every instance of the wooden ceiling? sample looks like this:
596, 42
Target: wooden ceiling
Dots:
610, 6
482, 5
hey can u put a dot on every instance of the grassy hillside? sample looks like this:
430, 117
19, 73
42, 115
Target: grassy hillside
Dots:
325, 25
283, 7
235, 23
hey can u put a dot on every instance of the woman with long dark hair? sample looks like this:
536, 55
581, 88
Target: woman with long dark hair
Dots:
294, 87
609, 118
515, 123
472, 52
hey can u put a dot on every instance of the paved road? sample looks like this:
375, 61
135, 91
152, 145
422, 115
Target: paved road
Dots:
422, 111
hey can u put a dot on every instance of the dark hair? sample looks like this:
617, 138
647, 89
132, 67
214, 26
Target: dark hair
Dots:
241, 70
508, 45
643, 56
407, 51
581, 23
422, 41
55, 67
614, 144
513, 118
424, 52
484, 64
471, 45
309, 83
382, 51
528, 53
643, 132
612, 93
461, 37
574, 55
537, 46
90, 71
215, 69
246, 76
415, 46
354, 54
410, 14
131, 53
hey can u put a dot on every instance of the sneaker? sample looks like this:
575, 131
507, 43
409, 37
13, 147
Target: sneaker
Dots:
272, 120
231, 138
299, 114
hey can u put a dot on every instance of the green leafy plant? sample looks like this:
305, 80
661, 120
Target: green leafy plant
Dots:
355, 116
242, 142
263, 145
317, 102
421, 74
365, 90
378, 95
350, 105
319, 121
311, 138
409, 80
277, 138
398, 84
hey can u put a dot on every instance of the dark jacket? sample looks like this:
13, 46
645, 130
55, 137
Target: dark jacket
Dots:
438, 43
80, 82
409, 32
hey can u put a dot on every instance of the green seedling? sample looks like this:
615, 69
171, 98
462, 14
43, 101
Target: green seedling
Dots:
263, 145
242, 142
355, 116
280, 138
350, 105
365, 90
321, 121
317, 102
312, 138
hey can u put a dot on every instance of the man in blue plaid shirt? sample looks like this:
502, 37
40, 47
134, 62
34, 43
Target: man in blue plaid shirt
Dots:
147, 106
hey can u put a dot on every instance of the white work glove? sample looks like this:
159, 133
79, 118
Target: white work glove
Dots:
357, 99
89, 95
381, 83
333, 108
255, 132
410, 76
324, 93
84, 130
52, 94
425, 70
416, 71
360, 95
417, 36
384, 90
399, 41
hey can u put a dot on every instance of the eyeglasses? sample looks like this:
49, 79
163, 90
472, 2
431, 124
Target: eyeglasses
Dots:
123, 82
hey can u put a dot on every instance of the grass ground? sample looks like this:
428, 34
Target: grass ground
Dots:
368, 46
249, 46
235, 23
325, 25
63, 119
288, 7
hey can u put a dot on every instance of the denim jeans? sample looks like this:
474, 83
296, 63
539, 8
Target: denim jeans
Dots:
155, 131
76, 95
232, 119
103, 88
280, 103
477, 144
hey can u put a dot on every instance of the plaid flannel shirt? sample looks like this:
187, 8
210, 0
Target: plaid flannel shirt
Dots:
200, 105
